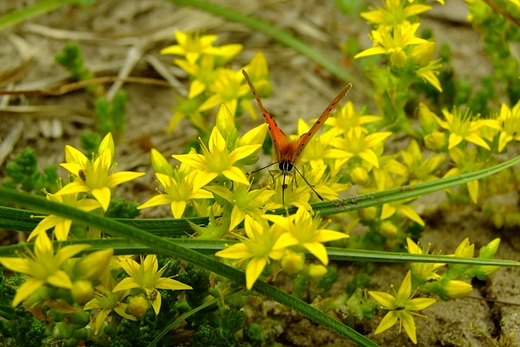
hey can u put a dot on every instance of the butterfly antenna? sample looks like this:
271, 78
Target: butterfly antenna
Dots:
314, 190
262, 168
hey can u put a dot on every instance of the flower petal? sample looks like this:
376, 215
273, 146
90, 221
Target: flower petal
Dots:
384, 299
409, 326
126, 283
103, 196
19, 265
253, 270
318, 250
60, 279
123, 176
178, 208
26, 289
236, 251
387, 322
237, 175
168, 283
68, 252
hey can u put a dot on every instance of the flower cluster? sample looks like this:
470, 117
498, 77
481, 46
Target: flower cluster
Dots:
212, 83
395, 36
59, 284
280, 243
469, 140
424, 278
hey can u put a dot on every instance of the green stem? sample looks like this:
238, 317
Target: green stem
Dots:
21, 220
26, 13
123, 247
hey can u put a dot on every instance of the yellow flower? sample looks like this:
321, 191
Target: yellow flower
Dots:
508, 123
356, 143
347, 117
465, 162
306, 229
42, 267
193, 45
227, 89
106, 301
429, 73
62, 225
384, 182
416, 169
179, 190
217, 160
461, 127
394, 12
95, 176
147, 276
401, 307
261, 245
422, 272
393, 41
244, 202
203, 74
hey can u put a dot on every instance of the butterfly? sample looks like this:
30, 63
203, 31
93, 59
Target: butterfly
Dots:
287, 150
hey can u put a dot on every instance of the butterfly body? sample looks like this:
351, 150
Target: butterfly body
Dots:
287, 150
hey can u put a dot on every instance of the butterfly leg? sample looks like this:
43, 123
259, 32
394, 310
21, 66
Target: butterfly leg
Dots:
284, 187
310, 186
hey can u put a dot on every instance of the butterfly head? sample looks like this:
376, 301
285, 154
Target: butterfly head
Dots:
285, 165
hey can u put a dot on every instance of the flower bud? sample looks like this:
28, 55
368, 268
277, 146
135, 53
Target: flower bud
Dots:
465, 249
426, 119
483, 271
293, 263
422, 54
80, 319
93, 265
488, 251
159, 163
225, 123
82, 291
62, 331
435, 141
138, 306
359, 175
388, 229
317, 271
398, 58
457, 289
368, 213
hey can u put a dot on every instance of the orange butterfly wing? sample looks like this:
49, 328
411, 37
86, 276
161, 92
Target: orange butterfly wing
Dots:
285, 148
305, 138
280, 140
